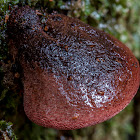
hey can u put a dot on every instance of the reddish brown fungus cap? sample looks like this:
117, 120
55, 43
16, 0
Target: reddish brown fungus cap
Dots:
74, 75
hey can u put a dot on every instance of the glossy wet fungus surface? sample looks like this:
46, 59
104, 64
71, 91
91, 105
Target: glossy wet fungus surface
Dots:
74, 75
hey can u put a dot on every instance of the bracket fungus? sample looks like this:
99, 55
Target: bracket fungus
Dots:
74, 75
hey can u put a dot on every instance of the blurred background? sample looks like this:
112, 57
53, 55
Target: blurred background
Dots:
121, 18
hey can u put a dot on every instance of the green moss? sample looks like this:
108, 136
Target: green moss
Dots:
6, 131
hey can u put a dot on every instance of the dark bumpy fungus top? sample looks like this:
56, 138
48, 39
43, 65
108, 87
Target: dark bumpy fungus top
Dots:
74, 75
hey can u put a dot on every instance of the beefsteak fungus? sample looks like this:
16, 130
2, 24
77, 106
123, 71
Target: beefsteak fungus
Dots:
74, 75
